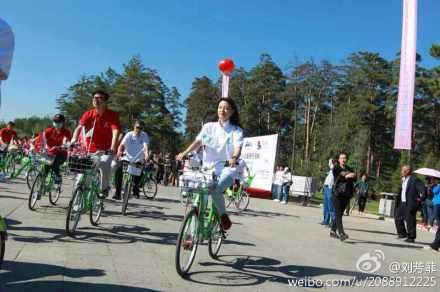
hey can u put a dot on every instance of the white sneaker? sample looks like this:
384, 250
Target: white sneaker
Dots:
276, 200
428, 247
284, 202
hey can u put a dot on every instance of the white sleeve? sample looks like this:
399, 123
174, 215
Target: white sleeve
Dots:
237, 138
202, 132
125, 139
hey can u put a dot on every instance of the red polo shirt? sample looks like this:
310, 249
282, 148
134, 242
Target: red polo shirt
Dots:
7, 135
53, 138
103, 124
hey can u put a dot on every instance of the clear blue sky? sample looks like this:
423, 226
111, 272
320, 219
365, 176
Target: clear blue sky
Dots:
59, 40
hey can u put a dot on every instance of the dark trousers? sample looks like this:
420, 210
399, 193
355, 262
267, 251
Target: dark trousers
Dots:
59, 160
436, 243
362, 202
340, 203
118, 182
405, 215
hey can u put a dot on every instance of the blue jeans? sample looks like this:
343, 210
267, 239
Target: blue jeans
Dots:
284, 194
436, 243
225, 180
276, 190
329, 209
428, 212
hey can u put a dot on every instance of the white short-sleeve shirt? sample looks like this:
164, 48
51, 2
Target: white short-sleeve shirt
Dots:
219, 143
135, 145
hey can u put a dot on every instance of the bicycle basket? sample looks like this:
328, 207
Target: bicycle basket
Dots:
47, 159
133, 170
80, 164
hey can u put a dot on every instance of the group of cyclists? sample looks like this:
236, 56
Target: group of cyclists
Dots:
99, 131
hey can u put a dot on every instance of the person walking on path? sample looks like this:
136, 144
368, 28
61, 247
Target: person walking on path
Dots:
408, 199
344, 177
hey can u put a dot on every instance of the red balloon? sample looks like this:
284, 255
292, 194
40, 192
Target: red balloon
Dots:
226, 66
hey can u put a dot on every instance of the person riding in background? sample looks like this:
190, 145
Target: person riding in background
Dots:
7, 136
222, 142
101, 126
134, 146
50, 141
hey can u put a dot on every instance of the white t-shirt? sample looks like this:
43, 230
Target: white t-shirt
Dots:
404, 186
278, 178
135, 145
219, 143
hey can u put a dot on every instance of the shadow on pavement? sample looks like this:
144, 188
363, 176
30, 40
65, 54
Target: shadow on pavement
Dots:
244, 270
255, 213
67, 286
16, 272
371, 231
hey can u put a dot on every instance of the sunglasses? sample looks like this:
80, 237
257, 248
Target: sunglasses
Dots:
138, 127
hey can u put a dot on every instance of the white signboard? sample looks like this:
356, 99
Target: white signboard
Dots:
259, 154
303, 186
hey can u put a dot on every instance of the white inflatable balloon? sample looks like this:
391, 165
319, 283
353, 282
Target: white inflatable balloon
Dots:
6, 50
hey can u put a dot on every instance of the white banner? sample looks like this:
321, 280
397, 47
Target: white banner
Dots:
405, 100
259, 153
6, 50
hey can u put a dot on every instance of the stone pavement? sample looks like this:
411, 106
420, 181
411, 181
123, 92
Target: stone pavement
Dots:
268, 246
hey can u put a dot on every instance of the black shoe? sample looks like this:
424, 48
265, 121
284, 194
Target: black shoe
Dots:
402, 236
103, 194
343, 236
409, 240
136, 195
116, 197
333, 234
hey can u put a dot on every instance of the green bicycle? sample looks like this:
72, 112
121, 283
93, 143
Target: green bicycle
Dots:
29, 165
148, 183
85, 193
130, 170
239, 197
45, 184
3, 238
7, 163
202, 222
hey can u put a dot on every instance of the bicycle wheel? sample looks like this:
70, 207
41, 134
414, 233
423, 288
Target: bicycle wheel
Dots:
55, 194
126, 195
150, 188
243, 202
2, 247
76, 205
187, 243
37, 191
10, 166
216, 239
97, 205
31, 175
229, 198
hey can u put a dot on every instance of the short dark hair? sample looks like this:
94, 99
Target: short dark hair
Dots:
10, 123
101, 92
235, 118
139, 122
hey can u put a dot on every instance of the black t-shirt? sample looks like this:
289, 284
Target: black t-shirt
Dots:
342, 185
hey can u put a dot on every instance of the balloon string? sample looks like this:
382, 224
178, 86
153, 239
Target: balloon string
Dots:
225, 85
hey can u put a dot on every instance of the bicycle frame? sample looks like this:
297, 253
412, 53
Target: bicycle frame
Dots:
207, 214
2, 225
89, 186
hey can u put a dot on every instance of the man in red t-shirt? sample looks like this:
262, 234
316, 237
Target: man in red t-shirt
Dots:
50, 141
7, 136
100, 127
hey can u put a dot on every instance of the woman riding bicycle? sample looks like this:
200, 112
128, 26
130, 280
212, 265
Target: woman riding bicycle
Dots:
222, 141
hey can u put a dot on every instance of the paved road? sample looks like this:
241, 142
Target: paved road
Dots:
268, 246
